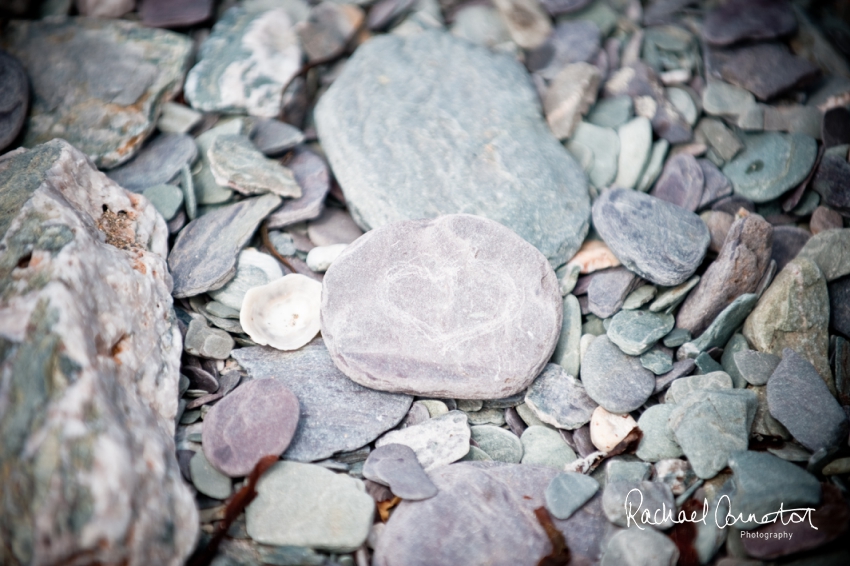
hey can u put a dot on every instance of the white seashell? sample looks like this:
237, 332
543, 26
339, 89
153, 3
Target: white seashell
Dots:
253, 268
607, 430
283, 314
320, 258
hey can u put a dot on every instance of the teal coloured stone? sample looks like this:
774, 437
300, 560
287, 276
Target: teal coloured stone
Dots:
559, 399
756, 367
567, 353
567, 492
706, 364
684, 386
737, 343
167, 199
676, 337
543, 446
722, 327
635, 332
500, 444
657, 361
207, 479
604, 144
658, 441
475, 454
611, 112
770, 164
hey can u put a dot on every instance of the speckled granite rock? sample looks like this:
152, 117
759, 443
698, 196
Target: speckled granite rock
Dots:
472, 137
86, 385
96, 83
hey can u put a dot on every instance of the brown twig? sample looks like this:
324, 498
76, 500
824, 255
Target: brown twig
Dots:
560, 555
264, 236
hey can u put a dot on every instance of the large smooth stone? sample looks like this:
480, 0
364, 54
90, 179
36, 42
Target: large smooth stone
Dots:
158, 163
771, 164
90, 382
14, 99
738, 269
255, 420
306, 505
456, 307
396, 466
245, 63
559, 399
313, 176
799, 399
657, 240
468, 122
337, 415
794, 313
205, 253
96, 83
738, 20
438, 441
618, 382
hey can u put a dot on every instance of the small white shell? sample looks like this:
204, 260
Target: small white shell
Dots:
320, 258
283, 314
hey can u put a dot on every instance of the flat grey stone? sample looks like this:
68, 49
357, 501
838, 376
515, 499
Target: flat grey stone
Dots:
501, 445
306, 505
717, 185
657, 360
625, 501
680, 369
723, 99
207, 479
765, 69
313, 176
175, 118
635, 332
611, 112
337, 414
14, 99
481, 25
788, 242
237, 164
333, 226
567, 492
756, 367
96, 83
439, 441
737, 343
799, 399
619, 469
204, 255
668, 299
206, 188
654, 165
604, 143
676, 337
608, 291
559, 399
273, 137
253, 269
635, 148
706, 364
657, 442
167, 199
175, 13
633, 547
396, 466
681, 182
570, 42
681, 388
543, 446
640, 297
830, 250
245, 63
541, 192
206, 342
722, 328
567, 351
157, 163
763, 482
710, 425
770, 164
478, 321
738, 20
659, 241
618, 382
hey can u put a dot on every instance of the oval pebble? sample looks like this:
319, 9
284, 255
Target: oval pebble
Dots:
14, 98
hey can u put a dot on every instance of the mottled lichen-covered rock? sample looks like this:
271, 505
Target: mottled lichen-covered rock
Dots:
97, 83
88, 381
431, 124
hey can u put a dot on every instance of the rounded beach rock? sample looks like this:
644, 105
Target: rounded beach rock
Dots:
458, 307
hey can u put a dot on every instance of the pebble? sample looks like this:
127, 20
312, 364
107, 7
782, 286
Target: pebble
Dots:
723, 99
770, 164
799, 399
175, 118
681, 182
737, 343
721, 139
570, 42
787, 243
475, 454
639, 297
559, 399
390, 283
607, 429
167, 199
481, 25
542, 193
207, 479
313, 176
717, 185
528, 416
568, 492
204, 255
794, 313
624, 503
568, 350
657, 360
256, 419
236, 163
676, 337
824, 219
654, 165
174, 13
756, 367
253, 269
328, 29
619, 469
835, 128
435, 408
207, 190
719, 332
831, 252
14, 99
616, 381
396, 466
543, 446
333, 226
608, 291
763, 482
611, 112
568, 98
96, 83
681, 388
633, 547
669, 298
655, 239
437, 442
657, 442
765, 69
710, 425
245, 62
497, 443
738, 20
487, 416
604, 143
527, 23
157, 163
738, 269
306, 505
635, 148
273, 137
206, 342
636, 331
337, 415
320, 258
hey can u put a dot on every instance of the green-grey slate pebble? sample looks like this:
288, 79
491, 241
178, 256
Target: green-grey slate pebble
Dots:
618, 382
486, 416
498, 143
737, 343
657, 360
543, 446
634, 547
500, 444
475, 454
619, 469
618, 496
274, 137
207, 479
167, 199
567, 492
830, 250
756, 367
636, 331
611, 112
204, 256
721, 329
605, 145
529, 417
654, 165
710, 425
669, 298
567, 353
306, 505
158, 162
208, 191
206, 342
681, 388
635, 149
763, 482
658, 442
559, 399
676, 337
236, 163
396, 466
770, 164
640, 297
97, 83
706, 364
